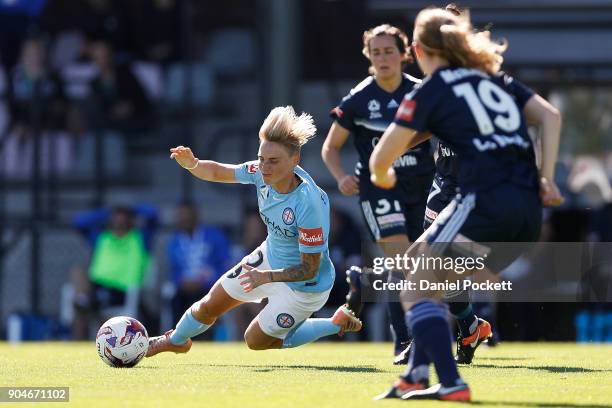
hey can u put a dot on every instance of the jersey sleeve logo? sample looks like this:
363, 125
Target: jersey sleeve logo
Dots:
311, 236
406, 110
337, 112
252, 168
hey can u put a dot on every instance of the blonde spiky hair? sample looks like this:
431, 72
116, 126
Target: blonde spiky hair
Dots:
285, 127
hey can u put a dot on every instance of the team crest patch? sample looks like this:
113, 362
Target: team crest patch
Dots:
285, 320
373, 105
374, 108
288, 216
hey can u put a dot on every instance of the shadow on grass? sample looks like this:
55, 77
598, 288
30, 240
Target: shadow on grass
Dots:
539, 404
267, 368
550, 369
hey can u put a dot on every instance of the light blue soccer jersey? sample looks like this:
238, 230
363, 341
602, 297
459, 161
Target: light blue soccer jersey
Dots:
297, 222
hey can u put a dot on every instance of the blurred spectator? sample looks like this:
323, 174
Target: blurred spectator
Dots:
118, 99
119, 262
116, 106
159, 33
588, 178
17, 19
37, 108
108, 19
198, 254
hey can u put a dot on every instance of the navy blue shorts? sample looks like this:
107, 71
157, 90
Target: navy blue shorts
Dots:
505, 214
396, 211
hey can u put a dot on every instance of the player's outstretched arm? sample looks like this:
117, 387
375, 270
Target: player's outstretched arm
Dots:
336, 138
539, 112
306, 270
203, 169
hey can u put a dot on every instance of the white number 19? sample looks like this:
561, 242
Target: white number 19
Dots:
494, 98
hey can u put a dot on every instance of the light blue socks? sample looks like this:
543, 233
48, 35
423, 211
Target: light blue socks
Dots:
187, 328
309, 331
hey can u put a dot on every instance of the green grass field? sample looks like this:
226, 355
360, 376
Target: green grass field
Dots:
318, 375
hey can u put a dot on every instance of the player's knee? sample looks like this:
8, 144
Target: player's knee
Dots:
252, 342
202, 311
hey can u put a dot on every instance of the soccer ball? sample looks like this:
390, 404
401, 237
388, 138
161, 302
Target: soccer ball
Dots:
122, 341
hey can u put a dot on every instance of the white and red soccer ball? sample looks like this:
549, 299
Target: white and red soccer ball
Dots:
122, 341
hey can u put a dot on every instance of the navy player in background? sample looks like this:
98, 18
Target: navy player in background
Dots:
470, 110
394, 217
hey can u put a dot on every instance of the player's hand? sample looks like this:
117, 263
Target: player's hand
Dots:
252, 278
348, 185
549, 193
183, 156
387, 182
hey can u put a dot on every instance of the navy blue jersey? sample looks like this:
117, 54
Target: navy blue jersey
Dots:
367, 111
446, 163
480, 118
446, 168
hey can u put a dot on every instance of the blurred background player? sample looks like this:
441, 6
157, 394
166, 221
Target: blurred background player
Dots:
291, 268
394, 217
502, 194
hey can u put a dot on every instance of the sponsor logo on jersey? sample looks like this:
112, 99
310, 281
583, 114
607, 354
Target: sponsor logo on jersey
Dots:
288, 216
311, 236
407, 160
406, 110
277, 229
374, 108
446, 152
337, 112
285, 320
252, 168
496, 141
392, 104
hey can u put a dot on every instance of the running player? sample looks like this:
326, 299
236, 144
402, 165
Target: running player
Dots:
291, 268
538, 112
395, 216
469, 108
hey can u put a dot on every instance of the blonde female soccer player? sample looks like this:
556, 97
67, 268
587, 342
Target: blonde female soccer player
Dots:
291, 268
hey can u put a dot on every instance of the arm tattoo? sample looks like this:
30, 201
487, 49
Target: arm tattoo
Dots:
306, 270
